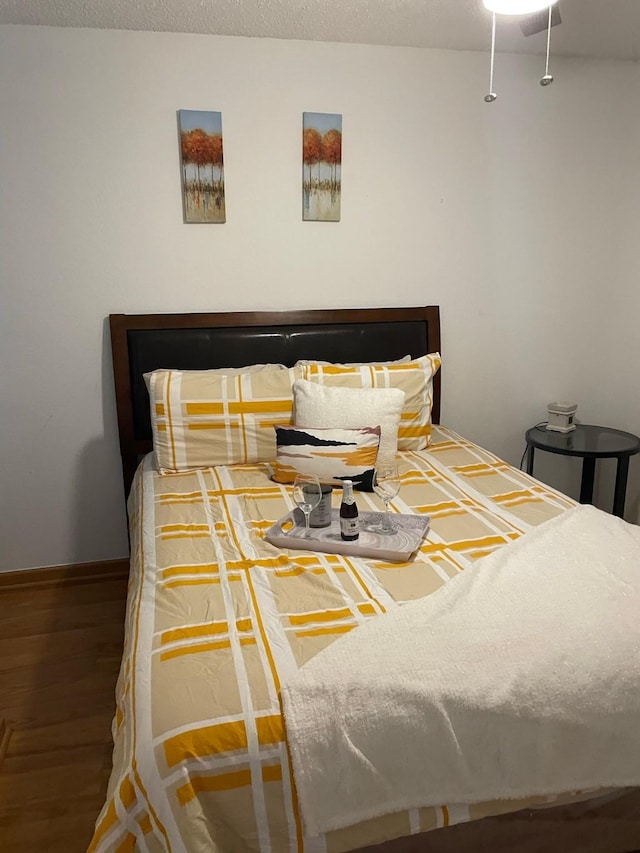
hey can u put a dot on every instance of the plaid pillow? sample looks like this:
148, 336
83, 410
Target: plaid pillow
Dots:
415, 378
202, 418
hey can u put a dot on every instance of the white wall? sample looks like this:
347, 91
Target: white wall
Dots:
516, 218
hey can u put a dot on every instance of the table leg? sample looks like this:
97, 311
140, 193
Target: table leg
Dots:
530, 451
621, 486
588, 475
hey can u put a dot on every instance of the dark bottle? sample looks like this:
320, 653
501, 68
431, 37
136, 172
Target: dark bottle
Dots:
348, 514
321, 515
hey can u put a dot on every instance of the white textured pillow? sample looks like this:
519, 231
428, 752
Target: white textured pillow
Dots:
324, 407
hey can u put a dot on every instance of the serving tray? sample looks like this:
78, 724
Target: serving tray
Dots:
289, 532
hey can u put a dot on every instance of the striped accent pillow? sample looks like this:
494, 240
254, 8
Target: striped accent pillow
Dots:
202, 418
415, 378
333, 454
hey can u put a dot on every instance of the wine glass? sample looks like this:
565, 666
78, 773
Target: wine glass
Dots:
386, 484
307, 495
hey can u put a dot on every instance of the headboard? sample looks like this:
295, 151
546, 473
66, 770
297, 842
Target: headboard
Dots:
145, 342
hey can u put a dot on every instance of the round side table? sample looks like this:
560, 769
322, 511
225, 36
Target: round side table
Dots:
590, 443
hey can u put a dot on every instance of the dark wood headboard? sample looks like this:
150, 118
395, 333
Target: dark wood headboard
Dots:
144, 342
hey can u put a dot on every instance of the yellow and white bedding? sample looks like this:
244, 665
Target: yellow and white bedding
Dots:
218, 619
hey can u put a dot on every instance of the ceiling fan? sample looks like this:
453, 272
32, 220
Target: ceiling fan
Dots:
536, 17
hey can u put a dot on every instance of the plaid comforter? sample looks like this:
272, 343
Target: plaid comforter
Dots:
218, 619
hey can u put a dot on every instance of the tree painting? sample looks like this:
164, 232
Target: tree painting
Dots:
202, 166
321, 166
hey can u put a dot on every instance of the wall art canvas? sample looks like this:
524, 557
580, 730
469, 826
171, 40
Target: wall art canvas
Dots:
202, 166
321, 166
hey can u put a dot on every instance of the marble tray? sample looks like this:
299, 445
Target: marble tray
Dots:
399, 546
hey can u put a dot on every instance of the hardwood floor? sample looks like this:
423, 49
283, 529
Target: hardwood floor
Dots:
60, 650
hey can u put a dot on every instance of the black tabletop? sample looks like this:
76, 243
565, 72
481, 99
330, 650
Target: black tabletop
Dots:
585, 440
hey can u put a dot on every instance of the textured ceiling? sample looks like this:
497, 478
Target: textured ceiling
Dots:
598, 29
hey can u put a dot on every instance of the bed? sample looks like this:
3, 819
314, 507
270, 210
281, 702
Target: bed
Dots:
218, 619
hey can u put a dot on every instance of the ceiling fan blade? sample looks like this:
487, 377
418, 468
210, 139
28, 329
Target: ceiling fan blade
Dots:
539, 21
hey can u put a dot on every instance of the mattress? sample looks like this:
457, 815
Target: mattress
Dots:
218, 619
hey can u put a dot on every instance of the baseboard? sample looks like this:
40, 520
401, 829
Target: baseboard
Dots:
63, 575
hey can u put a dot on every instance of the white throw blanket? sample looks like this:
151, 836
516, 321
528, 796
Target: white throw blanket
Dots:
520, 677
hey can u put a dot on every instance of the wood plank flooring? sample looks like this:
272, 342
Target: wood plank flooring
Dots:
60, 650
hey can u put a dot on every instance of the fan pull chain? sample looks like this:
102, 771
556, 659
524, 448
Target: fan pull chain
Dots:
548, 78
491, 96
